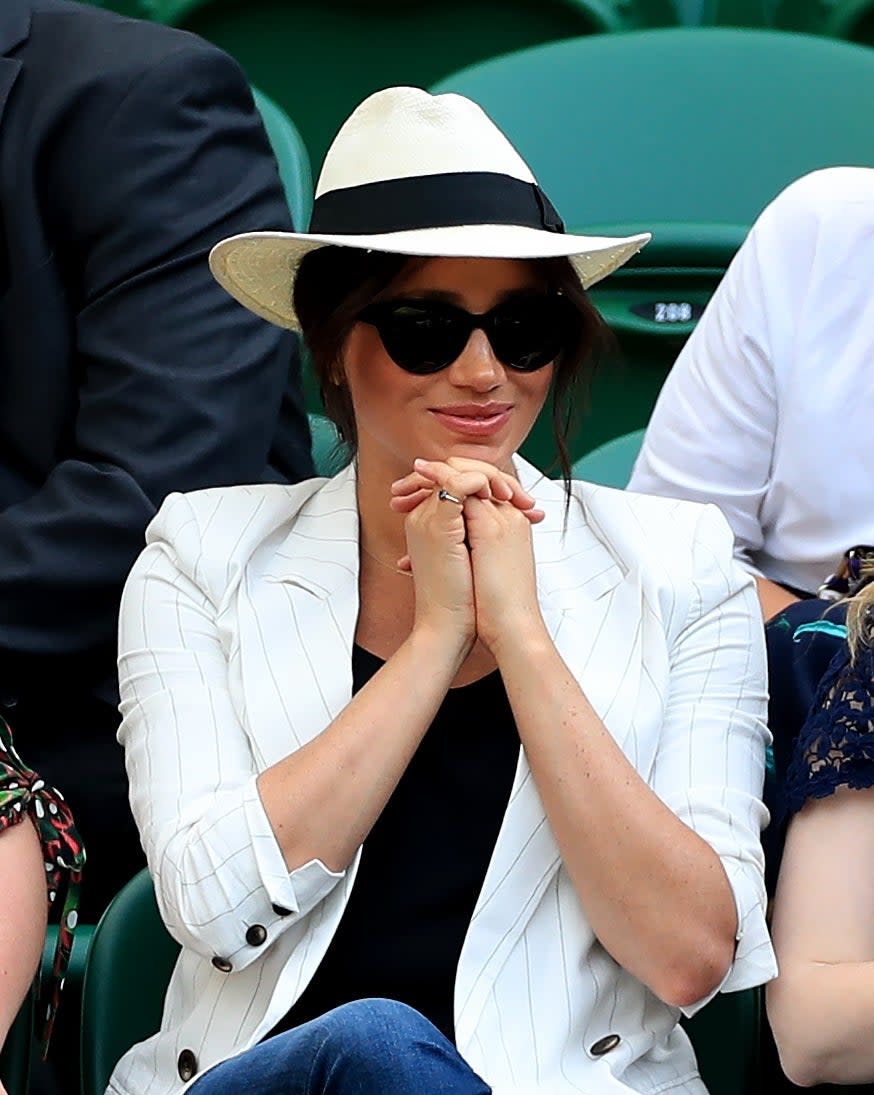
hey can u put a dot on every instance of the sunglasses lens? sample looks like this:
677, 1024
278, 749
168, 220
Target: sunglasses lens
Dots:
422, 337
528, 333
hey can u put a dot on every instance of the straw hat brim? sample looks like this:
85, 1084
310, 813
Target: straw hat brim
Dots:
259, 268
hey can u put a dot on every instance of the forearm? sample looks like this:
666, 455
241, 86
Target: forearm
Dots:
655, 893
323, 799
822, 1016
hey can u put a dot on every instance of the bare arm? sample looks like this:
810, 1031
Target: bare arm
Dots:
773, 597
821, 1007
23, 912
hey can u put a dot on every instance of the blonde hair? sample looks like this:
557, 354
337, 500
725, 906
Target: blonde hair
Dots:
860, 617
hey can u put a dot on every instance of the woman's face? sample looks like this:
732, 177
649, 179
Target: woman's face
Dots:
475, 407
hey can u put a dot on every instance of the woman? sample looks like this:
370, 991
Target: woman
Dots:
820, 1007
325, 687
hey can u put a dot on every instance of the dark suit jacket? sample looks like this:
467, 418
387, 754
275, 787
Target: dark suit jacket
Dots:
126, 151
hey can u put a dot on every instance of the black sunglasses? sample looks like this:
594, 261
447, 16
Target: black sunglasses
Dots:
526, 332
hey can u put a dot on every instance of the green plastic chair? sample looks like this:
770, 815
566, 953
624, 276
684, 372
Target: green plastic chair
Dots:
688, 132
129, 964
611, 464
330, 455
15, 1058
291, 157
319, 59
850, 19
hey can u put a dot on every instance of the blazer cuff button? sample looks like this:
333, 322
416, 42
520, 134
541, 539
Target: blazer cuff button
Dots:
604, 1045
186, 1065
256, 935
223, 965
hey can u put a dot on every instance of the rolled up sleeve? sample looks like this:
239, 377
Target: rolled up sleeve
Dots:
710, 766
218, 869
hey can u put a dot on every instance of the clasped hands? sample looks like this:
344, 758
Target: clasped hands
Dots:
473, 562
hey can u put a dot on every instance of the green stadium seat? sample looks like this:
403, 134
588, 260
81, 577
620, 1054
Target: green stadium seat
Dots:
735, 13
610, 464
329, 452
319, 59
291, 156
15, 1058
688, 132
129, 964
850, 19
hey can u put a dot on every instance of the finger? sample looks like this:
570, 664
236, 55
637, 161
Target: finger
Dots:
404, 563
410, 483
502, 486
463, 484
409, 502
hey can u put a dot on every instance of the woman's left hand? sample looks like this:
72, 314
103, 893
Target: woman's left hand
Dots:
428, 475
498, 521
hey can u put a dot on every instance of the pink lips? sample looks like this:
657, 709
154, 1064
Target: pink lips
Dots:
473, 419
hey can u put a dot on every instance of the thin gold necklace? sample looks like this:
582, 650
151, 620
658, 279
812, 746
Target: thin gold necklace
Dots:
388, 566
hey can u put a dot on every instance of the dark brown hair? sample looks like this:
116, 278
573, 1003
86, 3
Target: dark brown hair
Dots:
334, 284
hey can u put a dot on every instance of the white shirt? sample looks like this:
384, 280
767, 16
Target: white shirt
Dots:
236, 636
769, 409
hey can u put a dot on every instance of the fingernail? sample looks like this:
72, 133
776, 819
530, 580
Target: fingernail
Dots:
418, 462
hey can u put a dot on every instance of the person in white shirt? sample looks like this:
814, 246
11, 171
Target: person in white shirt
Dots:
448, 775
768, 409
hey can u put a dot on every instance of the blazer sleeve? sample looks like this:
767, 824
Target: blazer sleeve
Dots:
710, 764
711, 434
214, 859
179, 387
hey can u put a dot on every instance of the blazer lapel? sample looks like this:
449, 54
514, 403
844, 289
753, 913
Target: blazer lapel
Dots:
302, 611
592, 610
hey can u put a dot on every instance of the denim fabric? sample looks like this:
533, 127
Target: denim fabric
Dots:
367, 1047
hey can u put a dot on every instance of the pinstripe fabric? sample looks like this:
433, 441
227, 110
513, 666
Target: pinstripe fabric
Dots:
236, 630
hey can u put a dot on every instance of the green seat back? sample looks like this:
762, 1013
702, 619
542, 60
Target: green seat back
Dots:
611, 463
15, 1058
292, 158
688, 132
319, 58
329, 453
851, 19
128, 969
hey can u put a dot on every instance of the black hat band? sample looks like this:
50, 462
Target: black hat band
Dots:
433, 201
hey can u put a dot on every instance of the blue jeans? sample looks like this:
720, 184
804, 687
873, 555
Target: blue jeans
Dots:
368, 1047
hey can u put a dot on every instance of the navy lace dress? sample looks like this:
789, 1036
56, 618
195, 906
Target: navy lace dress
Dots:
835, 746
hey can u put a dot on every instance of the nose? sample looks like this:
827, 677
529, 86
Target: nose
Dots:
476, 367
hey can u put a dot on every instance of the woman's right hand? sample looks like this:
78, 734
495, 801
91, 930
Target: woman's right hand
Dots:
439, 560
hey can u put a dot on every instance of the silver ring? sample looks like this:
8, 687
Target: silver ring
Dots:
445, 496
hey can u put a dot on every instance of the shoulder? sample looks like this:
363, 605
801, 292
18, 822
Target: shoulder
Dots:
101, 49
681, 552
638, 522
211, 534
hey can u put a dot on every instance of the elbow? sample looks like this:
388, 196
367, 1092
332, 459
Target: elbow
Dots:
807, 1056
698, 974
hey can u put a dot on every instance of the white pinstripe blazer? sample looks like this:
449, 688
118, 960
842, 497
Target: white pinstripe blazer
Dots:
236, 631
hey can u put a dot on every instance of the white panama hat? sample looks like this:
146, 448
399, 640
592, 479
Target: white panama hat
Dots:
415, 174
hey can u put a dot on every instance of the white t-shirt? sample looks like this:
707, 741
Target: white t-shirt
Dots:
769, 410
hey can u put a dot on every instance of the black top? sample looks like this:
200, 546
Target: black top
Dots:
423, 864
